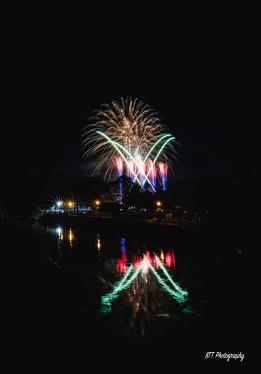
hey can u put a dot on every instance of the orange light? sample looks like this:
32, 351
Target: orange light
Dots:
161, 255
158, 203
70, 204
97, 202
71, 237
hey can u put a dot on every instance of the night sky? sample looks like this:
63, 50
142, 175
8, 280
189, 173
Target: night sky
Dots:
198, 66
197, 72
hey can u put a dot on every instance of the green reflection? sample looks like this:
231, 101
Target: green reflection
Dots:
176, 286
177, 293
178, 296
123, 284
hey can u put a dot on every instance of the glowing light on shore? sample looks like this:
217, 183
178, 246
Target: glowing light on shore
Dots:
70, 204
158, 203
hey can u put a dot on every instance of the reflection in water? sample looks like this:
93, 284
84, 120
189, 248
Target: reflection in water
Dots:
123, 246
145, 287
161, 255
122, 262
143, 266
65, 237
146, 292
71, 237
59, 232
63, 234
98, 245
135, 276
169, 258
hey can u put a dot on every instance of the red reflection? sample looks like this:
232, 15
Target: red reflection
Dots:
168, 260
122, 264
136, 261
148, 256
155, 260
145, 264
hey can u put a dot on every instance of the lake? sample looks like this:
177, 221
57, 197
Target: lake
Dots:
136, 287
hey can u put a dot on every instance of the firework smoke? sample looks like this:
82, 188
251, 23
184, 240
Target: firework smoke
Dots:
127, 131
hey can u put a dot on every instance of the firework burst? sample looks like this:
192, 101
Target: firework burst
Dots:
129, 130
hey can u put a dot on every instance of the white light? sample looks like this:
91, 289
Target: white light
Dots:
59, 203
145, 265
59, 230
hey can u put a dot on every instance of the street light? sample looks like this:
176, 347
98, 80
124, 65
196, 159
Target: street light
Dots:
158, 206
97, 204
59, 203
70, 204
